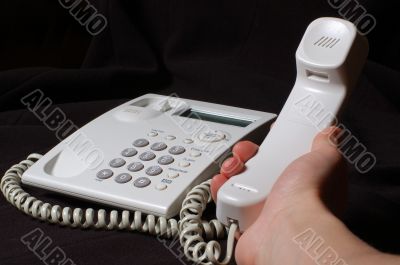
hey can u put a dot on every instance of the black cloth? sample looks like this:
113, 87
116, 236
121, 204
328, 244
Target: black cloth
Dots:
238, 53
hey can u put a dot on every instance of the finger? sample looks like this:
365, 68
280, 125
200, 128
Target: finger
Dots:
326, 141
245, 150
232, 166
272, 125
325, 144
324, 156
311, 171
216, 183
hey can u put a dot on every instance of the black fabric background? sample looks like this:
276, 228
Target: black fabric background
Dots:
230, 52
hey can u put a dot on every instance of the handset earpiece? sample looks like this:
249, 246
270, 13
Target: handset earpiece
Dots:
329, 61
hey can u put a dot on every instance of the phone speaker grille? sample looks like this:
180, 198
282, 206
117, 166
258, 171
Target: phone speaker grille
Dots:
326, 42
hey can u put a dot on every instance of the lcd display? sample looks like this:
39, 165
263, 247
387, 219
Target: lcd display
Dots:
206, 116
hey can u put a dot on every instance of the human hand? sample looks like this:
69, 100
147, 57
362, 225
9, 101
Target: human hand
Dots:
310, 193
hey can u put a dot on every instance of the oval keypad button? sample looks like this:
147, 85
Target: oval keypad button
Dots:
147, 156
117, 162
140, 143
173, 174
142, 182
123, 178
154, 171
152, 134
177, 150
211, 136
129, 152
161, 186
184, 164
195, 154
170, 137
104, 174
188, 141
165, 160
158, 146
135, 167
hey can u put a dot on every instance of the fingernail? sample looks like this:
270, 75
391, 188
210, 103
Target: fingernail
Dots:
231, 164
334, 136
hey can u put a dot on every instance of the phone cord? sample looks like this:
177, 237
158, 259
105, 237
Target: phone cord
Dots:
190, 227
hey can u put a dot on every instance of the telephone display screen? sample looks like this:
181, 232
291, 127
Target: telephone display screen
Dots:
206, 116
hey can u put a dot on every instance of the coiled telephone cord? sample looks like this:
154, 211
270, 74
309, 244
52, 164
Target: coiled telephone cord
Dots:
190, 228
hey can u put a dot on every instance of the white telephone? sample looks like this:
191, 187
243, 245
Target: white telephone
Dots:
149, 154
146, 154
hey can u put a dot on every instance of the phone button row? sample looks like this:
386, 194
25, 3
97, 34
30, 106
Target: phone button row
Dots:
125, 177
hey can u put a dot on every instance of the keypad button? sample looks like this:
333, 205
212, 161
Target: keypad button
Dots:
184, 164
152, 134
177, 150
211, 136
170, 137
117, 162
105, 174
154, 171
195, 154
142, 182
123, 178
141, 143
158, 146
147, 156
165, 160
129, 152
161, 186
173, 174
188, 141
135, 166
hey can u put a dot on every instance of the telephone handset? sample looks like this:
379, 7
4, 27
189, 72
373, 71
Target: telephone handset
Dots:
154, 154
329, 61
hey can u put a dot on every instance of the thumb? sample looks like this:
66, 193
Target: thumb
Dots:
319, 175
